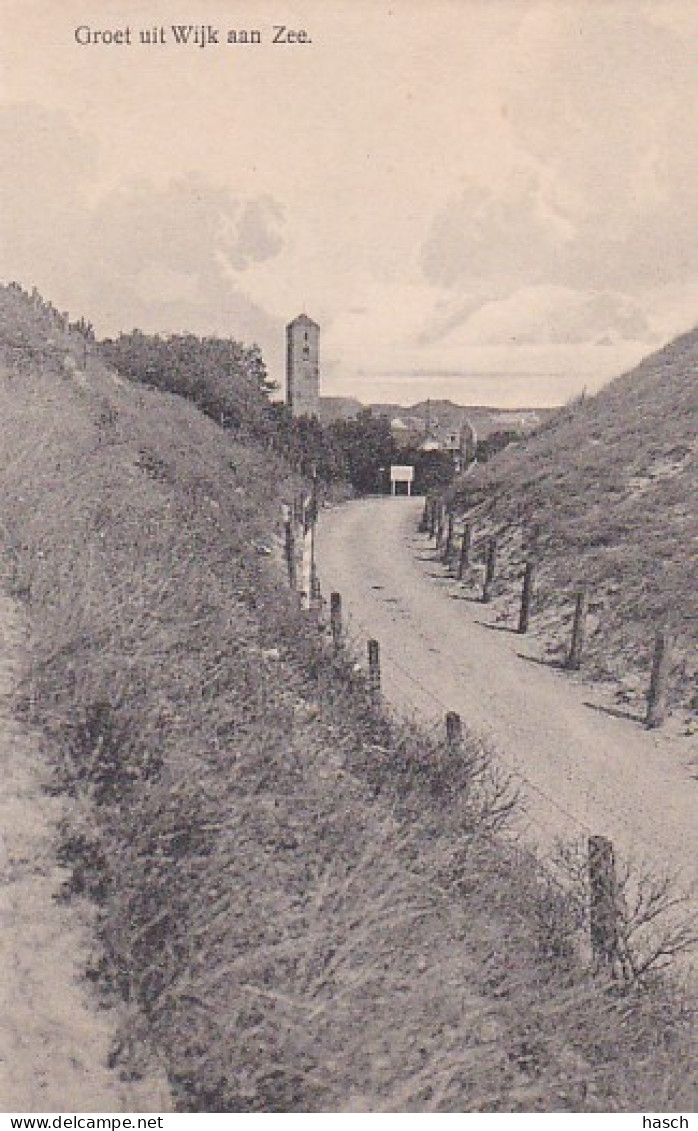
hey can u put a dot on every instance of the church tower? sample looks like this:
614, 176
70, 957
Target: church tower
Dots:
303, 366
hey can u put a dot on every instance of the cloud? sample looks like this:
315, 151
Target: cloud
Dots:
484, 375
256, 233
165, 257
175, 257
47, 164
603, 179
503, 232
189, 226
557, 316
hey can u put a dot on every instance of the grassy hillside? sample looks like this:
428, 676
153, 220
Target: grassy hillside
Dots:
300, 906
605, 493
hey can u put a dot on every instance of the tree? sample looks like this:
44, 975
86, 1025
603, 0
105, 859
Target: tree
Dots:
310, 447
226, 379
256, 369
433, 470
368, 449
495, 442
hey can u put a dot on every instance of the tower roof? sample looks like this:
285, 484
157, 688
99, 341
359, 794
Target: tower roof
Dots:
303, 320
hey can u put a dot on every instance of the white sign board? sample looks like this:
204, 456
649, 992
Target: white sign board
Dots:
401, 473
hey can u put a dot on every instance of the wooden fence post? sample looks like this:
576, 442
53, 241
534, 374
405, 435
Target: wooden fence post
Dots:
336, 620
526, 596
374, 670
603, 902
315, 591
448, 544
298, 508
290, 547
454, 731
661, 665
466, 543
313, 505
581, 607
490, 568
439, 525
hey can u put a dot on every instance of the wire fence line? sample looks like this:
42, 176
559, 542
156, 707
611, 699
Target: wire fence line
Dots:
586, 871
633, 914
436, 517
354, 638
432, 721
448, 528
355, 635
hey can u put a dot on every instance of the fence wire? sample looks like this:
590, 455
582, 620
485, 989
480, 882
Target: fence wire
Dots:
430, 718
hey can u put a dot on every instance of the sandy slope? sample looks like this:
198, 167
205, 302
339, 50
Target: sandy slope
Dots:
582, 770
54, 1040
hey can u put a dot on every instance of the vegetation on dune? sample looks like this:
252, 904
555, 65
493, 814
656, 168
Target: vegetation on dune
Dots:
228, 381
496, 442
302, 906
604, 493
225, 379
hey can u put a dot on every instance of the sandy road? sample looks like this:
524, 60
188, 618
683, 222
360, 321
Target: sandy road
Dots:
581, 770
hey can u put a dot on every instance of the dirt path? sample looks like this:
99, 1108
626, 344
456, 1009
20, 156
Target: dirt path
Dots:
54, 1040
581, 770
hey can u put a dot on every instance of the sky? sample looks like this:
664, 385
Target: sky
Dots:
494, 201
